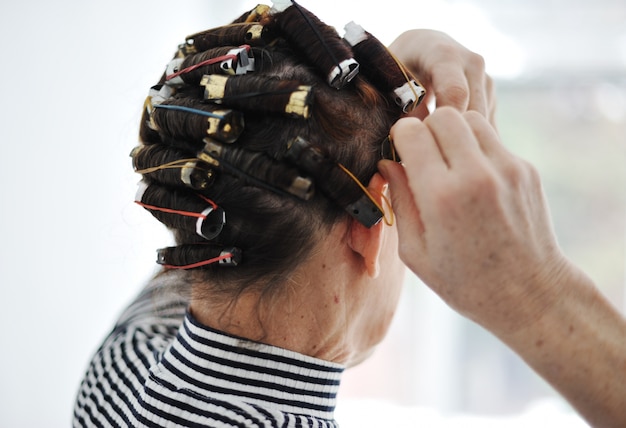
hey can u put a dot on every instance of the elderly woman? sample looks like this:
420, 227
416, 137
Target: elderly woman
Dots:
259, 151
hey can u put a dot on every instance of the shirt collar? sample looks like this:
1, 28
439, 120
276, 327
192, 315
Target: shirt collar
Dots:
213, 363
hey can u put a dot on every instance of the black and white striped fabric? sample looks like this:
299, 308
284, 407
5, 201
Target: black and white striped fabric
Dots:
159, 367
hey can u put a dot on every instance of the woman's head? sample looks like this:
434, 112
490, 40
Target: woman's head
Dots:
256, 137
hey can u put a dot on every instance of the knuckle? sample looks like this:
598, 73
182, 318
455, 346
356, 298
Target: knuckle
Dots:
455, 94
476, 61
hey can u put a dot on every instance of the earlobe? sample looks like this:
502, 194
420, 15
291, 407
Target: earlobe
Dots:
367, 242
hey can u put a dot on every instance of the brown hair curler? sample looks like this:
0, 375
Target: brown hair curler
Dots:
259, 93
251, 33
192, 256
319, 42
257, 169
383, 69
314, 161
180, 210
190, 119
172, 167
229, 60
254, 15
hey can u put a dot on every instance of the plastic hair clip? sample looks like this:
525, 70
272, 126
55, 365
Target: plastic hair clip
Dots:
211, 153
243, 62
172, 68
214, 87
343, 73
227, 127
409, 95
210, 225
194, 175
308, 157
365, 211
230, 257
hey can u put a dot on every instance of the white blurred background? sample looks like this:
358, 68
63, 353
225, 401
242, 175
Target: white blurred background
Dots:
74, 248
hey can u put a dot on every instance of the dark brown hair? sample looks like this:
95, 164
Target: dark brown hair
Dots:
273, 230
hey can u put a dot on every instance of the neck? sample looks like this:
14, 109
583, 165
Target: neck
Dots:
311, 313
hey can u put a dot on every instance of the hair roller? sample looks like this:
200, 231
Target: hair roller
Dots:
180, 210
383, 70
259, 93
190, 119
314, 161
172, 167
189, 70
319, 42
251, 33
257, 169
198, 255
254, 15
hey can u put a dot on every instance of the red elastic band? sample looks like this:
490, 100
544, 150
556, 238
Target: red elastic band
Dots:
171, 211
202, 263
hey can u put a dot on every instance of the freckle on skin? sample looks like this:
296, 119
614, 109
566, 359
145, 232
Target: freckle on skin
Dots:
336, 299
539, 343
571, 328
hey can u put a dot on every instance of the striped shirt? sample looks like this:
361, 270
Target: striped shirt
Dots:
160, 367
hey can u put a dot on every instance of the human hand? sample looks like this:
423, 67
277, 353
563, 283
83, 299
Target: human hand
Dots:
472, 220
454, 75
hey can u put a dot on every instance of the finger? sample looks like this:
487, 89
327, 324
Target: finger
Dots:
450, 86
403, 199
417, 148
491, 98
478, 85
454, 137
486, 135
421, 112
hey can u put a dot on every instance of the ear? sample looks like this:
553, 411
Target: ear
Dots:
367, 242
